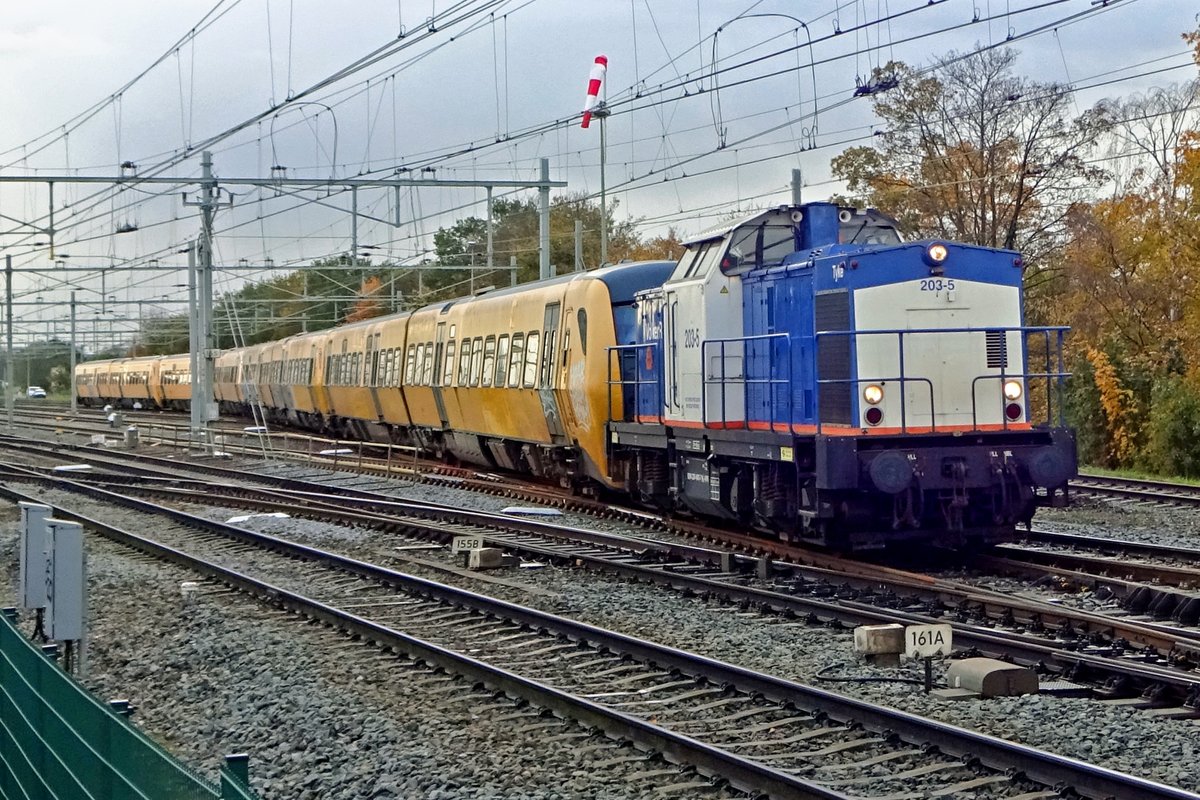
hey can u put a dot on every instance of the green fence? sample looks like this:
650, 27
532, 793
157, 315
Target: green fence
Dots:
58, 742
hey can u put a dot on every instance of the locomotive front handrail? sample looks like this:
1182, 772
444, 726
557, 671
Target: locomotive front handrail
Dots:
1058, 378
901, 379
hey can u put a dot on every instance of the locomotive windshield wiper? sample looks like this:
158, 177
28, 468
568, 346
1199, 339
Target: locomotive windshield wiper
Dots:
854, 238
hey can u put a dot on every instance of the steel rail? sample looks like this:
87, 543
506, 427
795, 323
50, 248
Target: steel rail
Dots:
1105, 544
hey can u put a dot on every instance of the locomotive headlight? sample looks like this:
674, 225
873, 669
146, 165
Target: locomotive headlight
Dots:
873, 394
936, 253
1012, 390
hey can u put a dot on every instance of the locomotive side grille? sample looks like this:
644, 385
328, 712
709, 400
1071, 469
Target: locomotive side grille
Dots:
832, 313
997, 350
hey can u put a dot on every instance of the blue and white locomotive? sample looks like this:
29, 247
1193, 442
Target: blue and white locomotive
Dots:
807, 372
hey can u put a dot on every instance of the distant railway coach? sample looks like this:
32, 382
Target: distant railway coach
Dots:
802, 371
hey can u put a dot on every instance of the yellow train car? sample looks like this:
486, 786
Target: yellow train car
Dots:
298, 356
106, 381
519, 378
174, 390
353, 410
227, 369
385, 371
275, 398
134, 379
86, 390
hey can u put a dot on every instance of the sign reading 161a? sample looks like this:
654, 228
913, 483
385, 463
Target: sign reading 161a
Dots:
927, 641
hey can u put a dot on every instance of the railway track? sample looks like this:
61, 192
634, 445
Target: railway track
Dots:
760, 733
91, 420
1083, 647
1138, 490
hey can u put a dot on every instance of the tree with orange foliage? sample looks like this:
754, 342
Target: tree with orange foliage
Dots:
1132, 289
369, 303
668, 247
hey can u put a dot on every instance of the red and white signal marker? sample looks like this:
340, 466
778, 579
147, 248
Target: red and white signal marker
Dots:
593, 93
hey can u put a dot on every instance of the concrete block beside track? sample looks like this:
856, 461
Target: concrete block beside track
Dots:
988, 677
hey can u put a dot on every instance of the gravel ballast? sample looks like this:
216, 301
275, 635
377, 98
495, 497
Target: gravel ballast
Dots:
322, 716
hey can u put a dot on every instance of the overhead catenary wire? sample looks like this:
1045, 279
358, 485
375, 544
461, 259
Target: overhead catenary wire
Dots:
693, 174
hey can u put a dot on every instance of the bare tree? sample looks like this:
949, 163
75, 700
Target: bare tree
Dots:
969, 151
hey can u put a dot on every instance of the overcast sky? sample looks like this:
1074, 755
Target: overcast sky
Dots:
509, 67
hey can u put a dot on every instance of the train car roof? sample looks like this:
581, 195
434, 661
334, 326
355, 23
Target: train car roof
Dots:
720, 230
622, 281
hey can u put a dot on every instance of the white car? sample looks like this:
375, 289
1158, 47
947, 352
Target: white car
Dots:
35, 391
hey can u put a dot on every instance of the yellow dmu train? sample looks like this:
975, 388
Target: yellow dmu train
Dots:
522, 379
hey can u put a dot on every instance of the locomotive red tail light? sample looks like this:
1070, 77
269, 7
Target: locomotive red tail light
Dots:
1013, 411
874, 415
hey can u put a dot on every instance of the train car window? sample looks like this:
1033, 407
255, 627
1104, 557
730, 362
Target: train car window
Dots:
411, 359
448, 367
464, 363
517, 360
566, 346
581, 319
489, 361
427, 367
476, 359
417, 368
531, 359
501, 359
410, 365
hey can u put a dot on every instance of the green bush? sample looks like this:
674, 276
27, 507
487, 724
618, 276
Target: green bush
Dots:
1085, 415
1173, 428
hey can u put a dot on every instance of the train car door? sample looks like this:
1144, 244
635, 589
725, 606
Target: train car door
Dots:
439, 352
371, 372
547, 372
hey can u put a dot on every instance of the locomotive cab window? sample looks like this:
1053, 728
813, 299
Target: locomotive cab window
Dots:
705, 257
581, 319
756, 246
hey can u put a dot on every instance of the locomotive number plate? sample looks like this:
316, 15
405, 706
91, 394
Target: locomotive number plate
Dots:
926, 641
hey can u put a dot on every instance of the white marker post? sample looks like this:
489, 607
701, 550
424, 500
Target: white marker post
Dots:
927, 641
